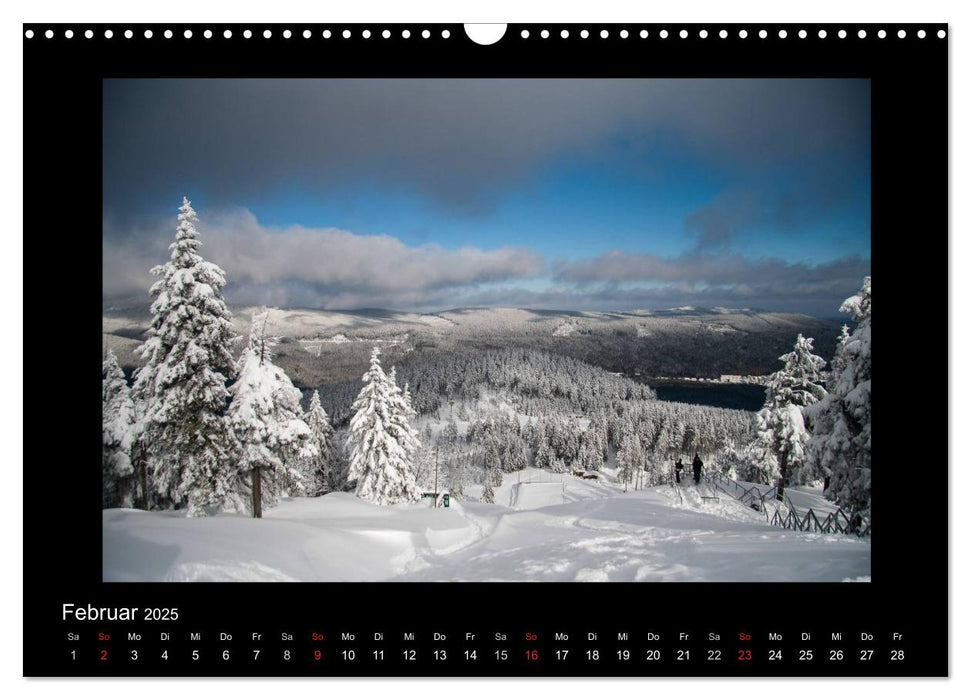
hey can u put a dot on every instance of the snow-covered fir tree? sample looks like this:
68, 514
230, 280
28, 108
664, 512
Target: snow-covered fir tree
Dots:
731, 462
118, 432
492, 461
339, 460
839, 450
751, 464
815, 470
382, 441
456, 476
799, 381
545, 458
591, 457
628, 459
182, 386
673, 437
781, 430
427, 469
656, 469
839, 362
266, 419
319, 468
403, 415
406, 397
488, 493
599, 428
690, 440
517, 459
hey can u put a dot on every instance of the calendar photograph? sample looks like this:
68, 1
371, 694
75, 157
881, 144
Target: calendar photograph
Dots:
486, 330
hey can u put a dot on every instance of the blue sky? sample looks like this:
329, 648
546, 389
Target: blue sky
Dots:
554, 194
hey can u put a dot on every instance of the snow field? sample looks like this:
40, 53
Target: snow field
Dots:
560, 529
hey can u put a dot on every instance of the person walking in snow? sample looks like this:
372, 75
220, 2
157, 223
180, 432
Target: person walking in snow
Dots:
697, 464
678, 466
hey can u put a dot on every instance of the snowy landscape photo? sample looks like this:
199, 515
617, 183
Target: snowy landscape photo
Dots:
486, 330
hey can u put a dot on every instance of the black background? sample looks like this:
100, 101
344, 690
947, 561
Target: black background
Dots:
62, 528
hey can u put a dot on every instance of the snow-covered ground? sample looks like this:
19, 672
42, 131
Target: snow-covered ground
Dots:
543, 527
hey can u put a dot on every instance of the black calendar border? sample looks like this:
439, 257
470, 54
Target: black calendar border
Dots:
62, 153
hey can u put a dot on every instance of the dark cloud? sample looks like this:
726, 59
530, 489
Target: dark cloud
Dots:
455, 141
784, 152
718, 222
729, 278
780, 201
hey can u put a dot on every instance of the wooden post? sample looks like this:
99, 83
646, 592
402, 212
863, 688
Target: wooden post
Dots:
143, 482
257, 493
436, 476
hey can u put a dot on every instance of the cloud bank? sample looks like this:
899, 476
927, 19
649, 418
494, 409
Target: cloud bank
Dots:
331, 268
271, 262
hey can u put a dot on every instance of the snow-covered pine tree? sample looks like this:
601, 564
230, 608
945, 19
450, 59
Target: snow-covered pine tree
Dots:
544, 453
839, 362
660, 470
599, 428
266, 419
318, 468
488, 493
455, 476
381, 446
557, 433
572, 441
182, 386
425, 468
559, 465
690, 440
591, 457
752, 465
117, 430
730, 462
402, 416
406, 397
517, 459
628, 459
339, 460
781, 431
839, 450
674, 437
492, 461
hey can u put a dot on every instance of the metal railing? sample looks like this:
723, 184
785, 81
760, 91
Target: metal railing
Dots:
785, 514
834, 522
750, 496
676, 486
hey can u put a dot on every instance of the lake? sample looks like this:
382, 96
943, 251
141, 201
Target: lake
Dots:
747, 397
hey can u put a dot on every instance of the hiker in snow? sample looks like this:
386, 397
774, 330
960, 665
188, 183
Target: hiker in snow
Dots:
697, 464
678, 466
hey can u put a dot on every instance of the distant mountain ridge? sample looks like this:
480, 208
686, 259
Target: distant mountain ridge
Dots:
319, 346
140, 305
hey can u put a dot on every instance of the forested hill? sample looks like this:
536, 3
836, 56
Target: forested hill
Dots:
538, 382
325, 346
